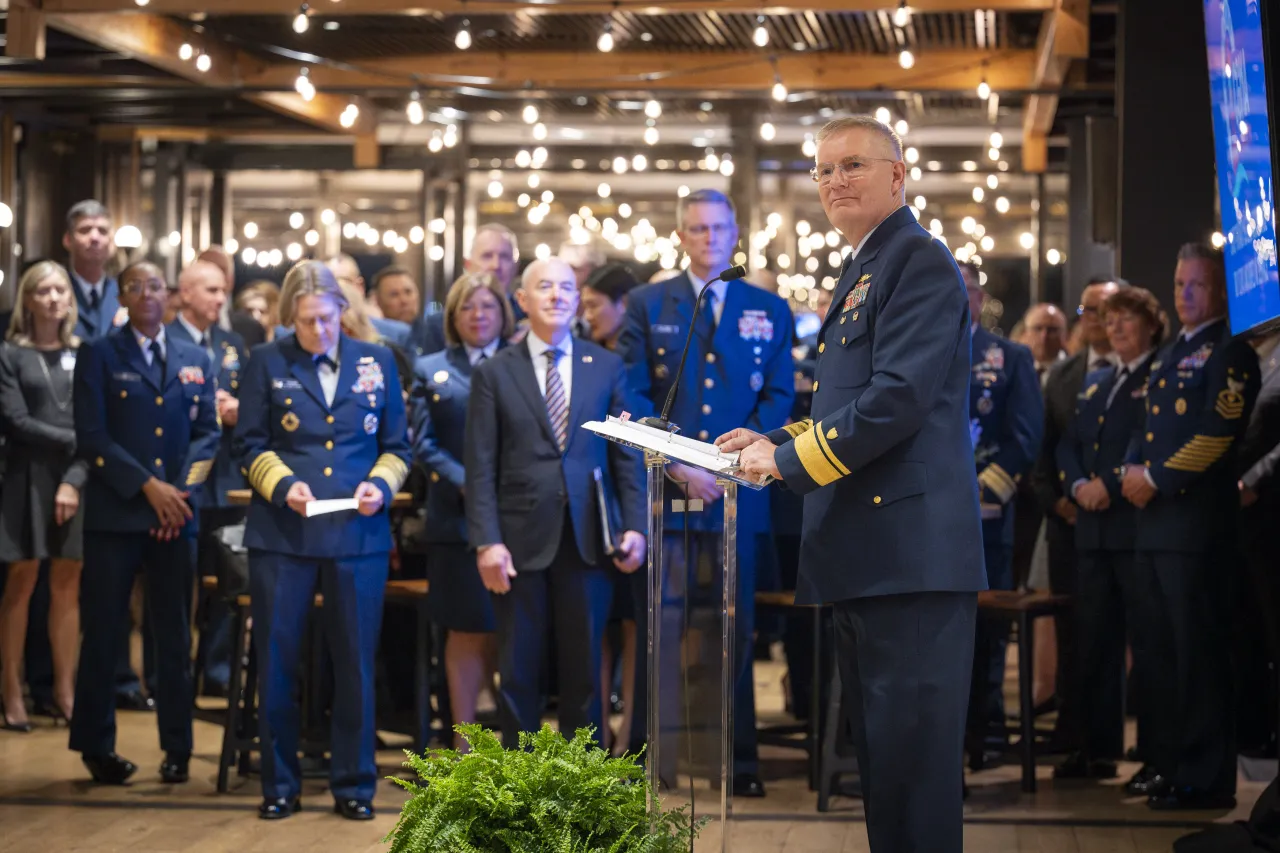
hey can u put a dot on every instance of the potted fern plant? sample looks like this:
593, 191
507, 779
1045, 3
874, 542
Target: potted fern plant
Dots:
551, 794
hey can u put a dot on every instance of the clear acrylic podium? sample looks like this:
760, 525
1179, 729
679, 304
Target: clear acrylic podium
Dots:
659, 448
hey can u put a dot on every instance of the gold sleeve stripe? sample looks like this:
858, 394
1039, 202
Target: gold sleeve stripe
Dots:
828, 452
1198, 454
391, 469
199, 472
815, 462
799, 428
998, 481
266, 472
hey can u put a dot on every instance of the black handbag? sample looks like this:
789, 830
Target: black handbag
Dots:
232, 564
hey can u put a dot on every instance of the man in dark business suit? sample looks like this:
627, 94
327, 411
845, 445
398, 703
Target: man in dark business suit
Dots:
891, 536
1064, 382
532, 514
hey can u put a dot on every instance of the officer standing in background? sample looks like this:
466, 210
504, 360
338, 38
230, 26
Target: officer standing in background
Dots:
1006, 414
739, 372
1182, 479
145, 422
322, 418
203, 293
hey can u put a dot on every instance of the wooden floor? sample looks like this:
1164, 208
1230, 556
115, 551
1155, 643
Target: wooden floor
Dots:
47, 804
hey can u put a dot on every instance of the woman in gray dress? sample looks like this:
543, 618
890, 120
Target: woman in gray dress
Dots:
40, 515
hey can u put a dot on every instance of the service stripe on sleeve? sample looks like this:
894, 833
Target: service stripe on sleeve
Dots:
816, 463
799, 428
828, 452
391, 469
266, 472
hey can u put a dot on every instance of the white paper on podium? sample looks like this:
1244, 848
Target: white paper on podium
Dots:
335, 505
700, 454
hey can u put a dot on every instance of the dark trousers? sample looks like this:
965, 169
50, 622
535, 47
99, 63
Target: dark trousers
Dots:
567, 603
702, 578
283, 589
905, 664
1181, 649
986, 693
111, 562
1060, 538
1107, 597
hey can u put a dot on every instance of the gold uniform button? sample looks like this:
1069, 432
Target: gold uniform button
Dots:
844, 341
822, 347
706, 409
1161, 383
124, 394
159, 432
1151, 436
235, 383
1101, 418
876, 499
328, 445
435, 398
288, 401
101, 461
1155, 410
159, 463
435, 478
711, 358
329, 419
159, 401
328, 472
196, 398
1095, 445
704, 435
662, 351
854, 318
710, 383
815, 385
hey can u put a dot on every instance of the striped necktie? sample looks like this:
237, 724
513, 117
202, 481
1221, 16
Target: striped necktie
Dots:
557, 404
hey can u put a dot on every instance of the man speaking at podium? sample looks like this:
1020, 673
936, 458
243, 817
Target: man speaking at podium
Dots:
891, 534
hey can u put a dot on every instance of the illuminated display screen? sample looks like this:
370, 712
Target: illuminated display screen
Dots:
1242, 145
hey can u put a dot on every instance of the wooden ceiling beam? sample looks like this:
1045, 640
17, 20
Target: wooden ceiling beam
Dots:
959, 71
1063, 37
24, 31
507, 7
155, 40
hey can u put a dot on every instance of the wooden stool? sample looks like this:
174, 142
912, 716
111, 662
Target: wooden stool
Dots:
783, 603
1023, 608
413, 593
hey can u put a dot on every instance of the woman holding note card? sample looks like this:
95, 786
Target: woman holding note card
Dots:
322, 439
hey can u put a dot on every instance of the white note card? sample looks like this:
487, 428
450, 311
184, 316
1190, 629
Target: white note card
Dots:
336, 505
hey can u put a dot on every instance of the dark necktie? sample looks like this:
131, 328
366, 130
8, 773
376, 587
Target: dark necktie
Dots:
322, 360
1115, 389
557, 402
157, 363
706, 324
95, 299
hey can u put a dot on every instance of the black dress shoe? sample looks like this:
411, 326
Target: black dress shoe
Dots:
279, 808
174, 768
1145, 782
1182, 798
1080, 766
23, 727
353, 809
747, 785
109, 769
134, 701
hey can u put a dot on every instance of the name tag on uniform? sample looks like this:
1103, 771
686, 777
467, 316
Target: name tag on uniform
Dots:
125, 376
664, 329
286, 384
68, 361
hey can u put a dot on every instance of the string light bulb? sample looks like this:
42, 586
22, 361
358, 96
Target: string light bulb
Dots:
303, 84
413, 110
462, 40
650, 135
906, 58
301, 21
349, 115
186, 52
605, 43
768, 131
539, 131
779, 90
203, 63
761, 34
901, 15
529, 114
652, 109
997, 139
984, 89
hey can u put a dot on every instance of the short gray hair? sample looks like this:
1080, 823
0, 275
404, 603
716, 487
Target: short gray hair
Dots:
494, 228
529, 272
90, 208
863, 122
704, 196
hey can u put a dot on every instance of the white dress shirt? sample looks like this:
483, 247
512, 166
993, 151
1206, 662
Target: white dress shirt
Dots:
1187, 334
328, 376
88, 288
718, 289
538, 348
198, 336
1123, 372
144, 343
865, 237
1094, 356
474, 355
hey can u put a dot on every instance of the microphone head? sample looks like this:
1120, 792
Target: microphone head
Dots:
733, 273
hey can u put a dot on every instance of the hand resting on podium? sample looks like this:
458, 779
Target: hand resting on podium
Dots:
755, 452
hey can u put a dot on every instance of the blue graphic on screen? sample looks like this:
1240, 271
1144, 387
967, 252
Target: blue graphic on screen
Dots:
1242, 142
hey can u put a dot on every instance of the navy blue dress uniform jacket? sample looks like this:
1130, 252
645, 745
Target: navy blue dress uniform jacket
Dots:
287, 434
1007, 412
129, 430
1199, 397
438, 414
92, 324
886, 462
741, 377
518, 482
1095, 444
230, 359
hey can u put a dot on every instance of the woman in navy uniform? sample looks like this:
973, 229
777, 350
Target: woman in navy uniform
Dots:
1110, 411
145, 422
1200, 395
477, 319
322, 418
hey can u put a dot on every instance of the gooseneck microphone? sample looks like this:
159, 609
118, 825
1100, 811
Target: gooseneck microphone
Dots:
661, 422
